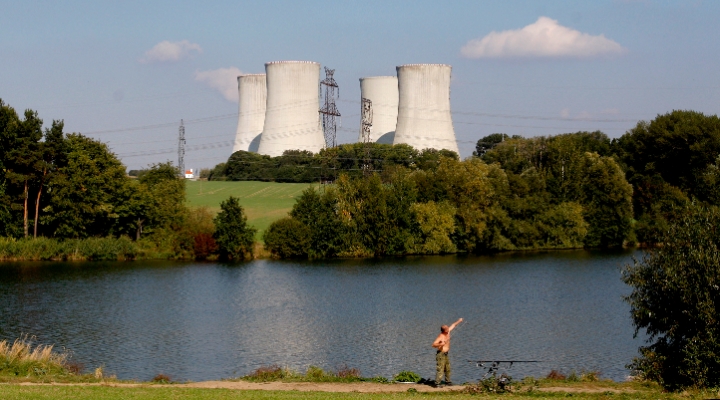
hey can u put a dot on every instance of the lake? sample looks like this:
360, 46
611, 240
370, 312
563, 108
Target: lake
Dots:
201, 321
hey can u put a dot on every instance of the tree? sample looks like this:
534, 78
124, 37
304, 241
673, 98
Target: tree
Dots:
234, 237
52, 156
607, 200
85, 193
317, 211
676, 300
488, 142
166, 193
22, 157
435, 224
678, 146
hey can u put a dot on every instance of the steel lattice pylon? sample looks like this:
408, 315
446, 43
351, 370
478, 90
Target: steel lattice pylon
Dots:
366, 113
181, 149
329, 110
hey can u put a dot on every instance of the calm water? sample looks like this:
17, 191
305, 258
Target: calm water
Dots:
197, 321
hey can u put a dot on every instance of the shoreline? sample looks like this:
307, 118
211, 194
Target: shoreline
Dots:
332, 387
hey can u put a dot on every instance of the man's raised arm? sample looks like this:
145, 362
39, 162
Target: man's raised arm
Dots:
455, 324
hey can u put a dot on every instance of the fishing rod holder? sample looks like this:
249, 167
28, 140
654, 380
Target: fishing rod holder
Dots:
493, 366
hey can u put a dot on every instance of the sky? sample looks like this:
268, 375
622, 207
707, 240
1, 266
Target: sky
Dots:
127, 72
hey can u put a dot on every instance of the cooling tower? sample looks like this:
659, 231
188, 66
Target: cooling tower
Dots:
424, 119
292, 120
383, 92
251, 111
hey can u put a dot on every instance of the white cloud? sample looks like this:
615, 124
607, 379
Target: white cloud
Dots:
544, 38
170, 51
223, 80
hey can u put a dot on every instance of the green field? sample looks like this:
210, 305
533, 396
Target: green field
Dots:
264, 202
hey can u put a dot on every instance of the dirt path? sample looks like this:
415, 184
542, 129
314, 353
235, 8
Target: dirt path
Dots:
360, 387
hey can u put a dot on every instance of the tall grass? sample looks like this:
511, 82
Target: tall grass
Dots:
71, 249
313, 374
21, 359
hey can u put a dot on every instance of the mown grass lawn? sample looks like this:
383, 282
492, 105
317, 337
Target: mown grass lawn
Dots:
12, 391
264, 202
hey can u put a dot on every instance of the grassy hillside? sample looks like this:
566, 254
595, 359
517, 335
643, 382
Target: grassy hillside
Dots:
264, 202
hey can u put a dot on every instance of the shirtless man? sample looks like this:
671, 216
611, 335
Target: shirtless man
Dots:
442, 344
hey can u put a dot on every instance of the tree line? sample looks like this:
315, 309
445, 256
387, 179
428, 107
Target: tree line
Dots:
67, 186
353, 160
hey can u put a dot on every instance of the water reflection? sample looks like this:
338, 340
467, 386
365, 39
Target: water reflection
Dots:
209, 321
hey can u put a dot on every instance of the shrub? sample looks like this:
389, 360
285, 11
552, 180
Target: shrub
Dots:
161, 378
407, 376
347, 373
204, 245
314, 373
556, 375
287, 238
676, 299
267, 374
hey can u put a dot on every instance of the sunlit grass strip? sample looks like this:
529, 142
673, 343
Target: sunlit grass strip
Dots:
21, 359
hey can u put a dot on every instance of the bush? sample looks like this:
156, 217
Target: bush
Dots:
233, 236
267, 374
204, 245
676, 299
287, 238
407, 376
556, 375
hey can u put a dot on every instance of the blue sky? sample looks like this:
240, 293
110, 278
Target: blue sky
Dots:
606, 64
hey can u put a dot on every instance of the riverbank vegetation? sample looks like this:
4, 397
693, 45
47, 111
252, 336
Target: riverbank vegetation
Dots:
521, 199
23, 362
71, 195
67, 197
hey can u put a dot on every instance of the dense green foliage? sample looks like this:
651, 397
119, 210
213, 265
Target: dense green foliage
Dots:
73, 191
466, 206
669, 161
676, 300
287, 238
233, 236
327, 165
551, 176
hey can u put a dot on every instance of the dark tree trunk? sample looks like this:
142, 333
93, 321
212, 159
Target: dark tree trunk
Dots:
37, 203
139, 228
25, 210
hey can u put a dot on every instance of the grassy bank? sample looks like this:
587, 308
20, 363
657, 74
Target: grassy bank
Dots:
40, 372
264, 202
580, 392
96, 249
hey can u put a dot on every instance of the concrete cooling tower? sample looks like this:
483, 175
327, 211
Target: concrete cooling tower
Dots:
383, 92
251, 112
424, 119
292, 120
